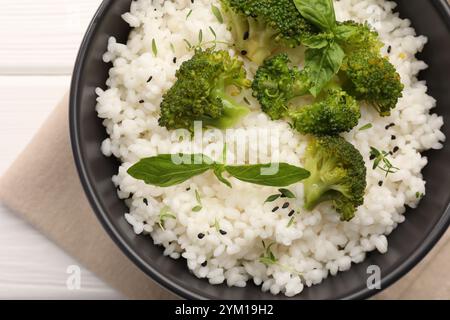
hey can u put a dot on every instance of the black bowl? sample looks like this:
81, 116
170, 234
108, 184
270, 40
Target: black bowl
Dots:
408, 244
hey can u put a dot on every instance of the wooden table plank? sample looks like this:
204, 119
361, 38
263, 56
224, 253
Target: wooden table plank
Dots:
30, 265
25, 104
42, 36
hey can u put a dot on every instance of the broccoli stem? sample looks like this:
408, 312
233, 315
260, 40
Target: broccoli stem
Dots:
258, 43
316, 189
232, 111
314, 192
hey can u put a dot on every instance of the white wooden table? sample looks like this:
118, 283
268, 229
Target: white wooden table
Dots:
39, 42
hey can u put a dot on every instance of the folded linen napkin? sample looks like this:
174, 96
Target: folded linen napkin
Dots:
56, 205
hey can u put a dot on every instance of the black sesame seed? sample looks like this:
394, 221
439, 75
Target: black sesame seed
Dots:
204, 264
393, 137
175, 60
145, 201
244, 52
275, 209
390, 126
141, 101
380, 183
285, 205
291, 213
389, 49
395, 149
188, 189
201, 235
150, 79
223, 232
246, 35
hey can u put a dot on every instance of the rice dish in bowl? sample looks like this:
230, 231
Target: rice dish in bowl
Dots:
225, 239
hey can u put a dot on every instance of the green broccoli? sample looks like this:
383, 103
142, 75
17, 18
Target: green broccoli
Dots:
259, 27
201, 92
338, 112
355, 36
365, 74
338, 174
370, 77
276, 83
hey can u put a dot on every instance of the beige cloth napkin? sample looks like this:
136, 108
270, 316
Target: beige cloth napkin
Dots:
56, 205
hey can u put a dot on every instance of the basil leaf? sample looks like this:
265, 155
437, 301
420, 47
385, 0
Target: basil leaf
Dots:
319, 12
322, 65
285, 174
344, 32
317, 41
218, 171
162, 171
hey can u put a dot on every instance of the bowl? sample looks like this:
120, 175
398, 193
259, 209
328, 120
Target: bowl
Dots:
408, 244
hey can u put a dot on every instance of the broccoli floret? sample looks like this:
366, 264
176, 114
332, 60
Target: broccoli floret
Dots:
338, 174
338, 112
201, 92
259, 27
365, 73
276, 83
356, 36
369, 76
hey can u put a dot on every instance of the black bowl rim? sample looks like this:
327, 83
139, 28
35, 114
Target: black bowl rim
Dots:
88, 185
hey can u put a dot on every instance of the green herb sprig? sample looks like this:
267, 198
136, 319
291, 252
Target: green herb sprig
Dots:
217, 225
268, 258
189, 14
213, 32
381, 161
199, 205
154, 48
283, 193
366, 127
217, 13
200, 36
163, 171
292, 220
164, 215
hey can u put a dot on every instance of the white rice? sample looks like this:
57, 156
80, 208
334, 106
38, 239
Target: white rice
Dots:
317, 245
